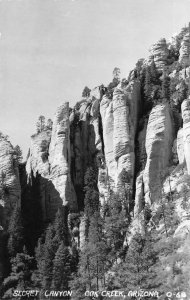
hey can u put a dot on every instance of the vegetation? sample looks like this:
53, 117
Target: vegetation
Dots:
42, 125
86, 92
112, 252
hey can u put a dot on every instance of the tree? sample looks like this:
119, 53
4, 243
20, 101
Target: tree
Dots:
92, 261
16, 233
20, 277
116, 226
183, 91
61, 268
165, 93
154, 73
147, 89
49, 124
56, 234
170, 268
40, 125
91, 200
18, 154
86, 92
137, 271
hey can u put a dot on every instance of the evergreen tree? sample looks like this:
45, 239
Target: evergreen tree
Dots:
97, 249
56, 234
154, 73
86, 92
40, 125
18, 154
16, 233
20, 278
46, 266
91, 200
92, 261
183, 91
165, 94
60, 227
116, 226
148, 90
137, 272
61, 268
169, 277
49, 124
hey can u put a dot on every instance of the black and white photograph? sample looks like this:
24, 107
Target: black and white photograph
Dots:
95, 149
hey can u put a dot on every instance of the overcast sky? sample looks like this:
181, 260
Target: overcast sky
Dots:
51, 49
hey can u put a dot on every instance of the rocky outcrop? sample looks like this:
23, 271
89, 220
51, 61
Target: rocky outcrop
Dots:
185, 108
119, 118
10, 193
39, 151
49, 161
180, 146
10, 190
159, 52
159, 140
184, 57
59, 157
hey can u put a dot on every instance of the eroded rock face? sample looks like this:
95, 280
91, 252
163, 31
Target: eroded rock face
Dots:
119, 118
9, 182
180, 146
49, 162
159, 52
59, 157
185, 50
185, 108
39, 152
159, 140
10, 193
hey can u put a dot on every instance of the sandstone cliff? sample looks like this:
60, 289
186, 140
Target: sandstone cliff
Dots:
137, 142
49, 161
10, 193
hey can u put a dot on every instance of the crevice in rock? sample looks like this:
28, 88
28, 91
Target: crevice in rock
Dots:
101, 132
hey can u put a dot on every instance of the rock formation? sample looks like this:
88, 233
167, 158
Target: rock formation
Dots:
185, 107
9, 182
159, 52
49, 160
184, 57
119, 128
10, 192
115, 130
159, 140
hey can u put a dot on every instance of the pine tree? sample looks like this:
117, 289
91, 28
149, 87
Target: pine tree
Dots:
18, 154
40, 125
154, 73
167, 270
16, 233
115, 226
92, 260
97, 251
91, 200
137, 272
61, 268
148, 90
46, 265
165, 93
20, 278
49, 124
56, 234
86, 92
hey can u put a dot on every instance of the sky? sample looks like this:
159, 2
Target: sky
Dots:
51, 49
